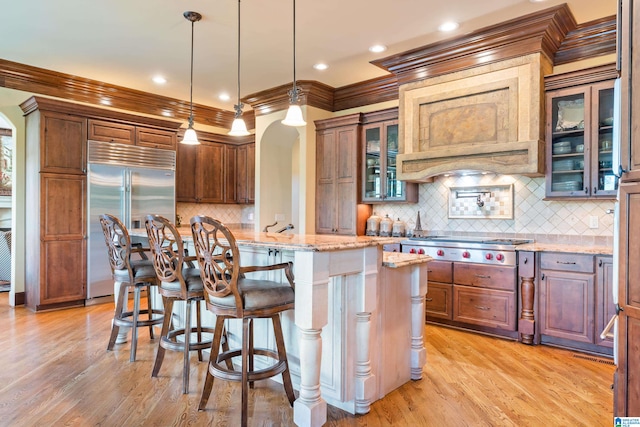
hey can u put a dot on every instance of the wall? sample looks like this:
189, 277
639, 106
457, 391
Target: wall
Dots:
534, 217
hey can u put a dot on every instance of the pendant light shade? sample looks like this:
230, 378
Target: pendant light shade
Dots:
238, 127
294, 114
190, 137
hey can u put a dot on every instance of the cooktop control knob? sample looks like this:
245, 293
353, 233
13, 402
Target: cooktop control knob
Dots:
466, 254
421, 251
488, 256
440, 252
499, 257
412, 251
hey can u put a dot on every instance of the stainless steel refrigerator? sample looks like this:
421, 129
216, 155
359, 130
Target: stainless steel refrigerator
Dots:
129, 182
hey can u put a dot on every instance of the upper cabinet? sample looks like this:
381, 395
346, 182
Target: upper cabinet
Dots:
125, 133
380, 150
580, 142
216, 171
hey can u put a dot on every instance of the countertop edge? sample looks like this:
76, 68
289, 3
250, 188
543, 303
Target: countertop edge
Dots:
559, 247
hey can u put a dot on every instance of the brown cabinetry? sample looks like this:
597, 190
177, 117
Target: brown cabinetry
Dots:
245, 173
605, 308
439, 299
380, 150
337, 177
125, 133
216, 171
55, 211
580, 140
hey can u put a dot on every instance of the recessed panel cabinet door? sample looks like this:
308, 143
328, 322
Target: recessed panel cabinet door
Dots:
63, 243
210, 184
325, 182
64, 148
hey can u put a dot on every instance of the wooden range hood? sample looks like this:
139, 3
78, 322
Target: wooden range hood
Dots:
476, 102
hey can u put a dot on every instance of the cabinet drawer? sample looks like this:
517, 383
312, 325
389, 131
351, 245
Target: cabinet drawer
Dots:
439, 301
567, 262
485, 307
156, 138
111, 132
440, 271
484, 276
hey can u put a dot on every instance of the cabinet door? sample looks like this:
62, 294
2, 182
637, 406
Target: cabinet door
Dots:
567, 305
375, 162
603, 182
63, 147
346, 181
230, 193
120, 133
251, 173
605, 308
569, 142
325, 181
245, 176
156, 138
63, 243
439, 301
186, 173
210, 173
484, 307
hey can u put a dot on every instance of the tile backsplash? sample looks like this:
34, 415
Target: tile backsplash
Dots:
229, 214
543, 220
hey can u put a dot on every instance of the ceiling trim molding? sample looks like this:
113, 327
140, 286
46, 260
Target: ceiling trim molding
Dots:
380, 89
40, 81
581, 77
312, 93
591, 39
541, 32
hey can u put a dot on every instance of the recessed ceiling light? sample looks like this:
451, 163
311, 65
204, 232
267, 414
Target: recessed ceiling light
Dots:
448, 26
377, 48
320, 66
159, 80
224, 97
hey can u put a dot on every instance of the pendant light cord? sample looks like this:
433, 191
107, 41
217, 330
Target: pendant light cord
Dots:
191, 82
294, 91
240, 104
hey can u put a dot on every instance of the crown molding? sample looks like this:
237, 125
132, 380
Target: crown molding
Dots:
581, 77
40, 81
588, 40
312, 93
541, 32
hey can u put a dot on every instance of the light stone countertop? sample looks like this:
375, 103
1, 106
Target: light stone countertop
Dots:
286, 241
559, 247
399, 259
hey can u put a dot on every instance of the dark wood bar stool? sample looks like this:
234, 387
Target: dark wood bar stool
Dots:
130, 273
233, 296
179, 281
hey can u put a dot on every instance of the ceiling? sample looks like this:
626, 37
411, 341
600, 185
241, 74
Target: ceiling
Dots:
126, 42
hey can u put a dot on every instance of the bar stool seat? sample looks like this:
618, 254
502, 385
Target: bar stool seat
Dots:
128, 273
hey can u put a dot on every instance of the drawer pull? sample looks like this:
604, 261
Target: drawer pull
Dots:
429, 299
566, 262
483, 276
431, 271
481, 307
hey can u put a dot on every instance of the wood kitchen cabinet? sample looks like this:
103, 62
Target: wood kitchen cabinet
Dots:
63, 147
200, 172
126, 133
245, 173
439, 298
338, 178
605, 308
380, 149
580, 138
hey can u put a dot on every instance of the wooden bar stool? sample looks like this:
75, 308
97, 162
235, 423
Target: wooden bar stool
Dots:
233, 296
179, 281
129, 273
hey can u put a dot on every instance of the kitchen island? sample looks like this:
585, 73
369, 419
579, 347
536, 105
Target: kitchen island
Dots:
356, 332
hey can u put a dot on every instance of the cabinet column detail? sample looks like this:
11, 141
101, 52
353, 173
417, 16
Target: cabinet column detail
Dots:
365, 380
526, 325
418, 291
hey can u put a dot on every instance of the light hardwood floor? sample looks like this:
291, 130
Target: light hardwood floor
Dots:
55, 371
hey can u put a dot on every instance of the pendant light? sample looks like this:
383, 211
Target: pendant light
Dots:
238, 127
190, 137
294, 114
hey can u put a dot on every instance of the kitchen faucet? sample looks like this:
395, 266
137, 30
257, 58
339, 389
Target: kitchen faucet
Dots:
285, 228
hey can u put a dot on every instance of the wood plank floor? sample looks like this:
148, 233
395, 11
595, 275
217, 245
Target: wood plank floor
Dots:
56, 372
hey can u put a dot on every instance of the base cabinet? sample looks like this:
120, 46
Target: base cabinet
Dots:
569, 304
439, 298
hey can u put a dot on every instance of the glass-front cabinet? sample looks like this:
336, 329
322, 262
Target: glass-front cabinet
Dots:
580, 143
380, 182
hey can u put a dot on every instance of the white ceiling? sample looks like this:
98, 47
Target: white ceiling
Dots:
126, 42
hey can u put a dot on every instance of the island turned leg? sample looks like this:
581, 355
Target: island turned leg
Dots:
418, 292
123, 331
364, 381
311, 315
526, 271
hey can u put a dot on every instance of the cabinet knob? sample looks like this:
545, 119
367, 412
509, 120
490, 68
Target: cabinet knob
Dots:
542, 277
586, 190
595, 190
